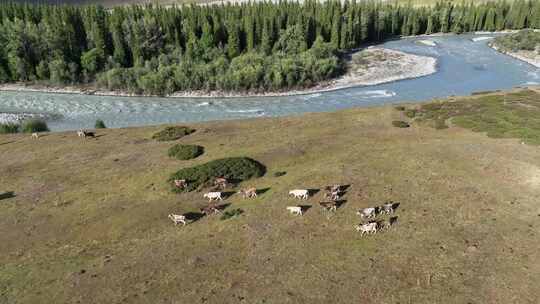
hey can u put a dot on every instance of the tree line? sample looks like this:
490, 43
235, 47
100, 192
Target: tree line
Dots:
251, 46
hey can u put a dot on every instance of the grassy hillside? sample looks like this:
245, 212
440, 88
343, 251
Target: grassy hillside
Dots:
86, 220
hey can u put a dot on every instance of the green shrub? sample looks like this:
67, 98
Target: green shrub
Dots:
234, 168
400, 108
9, 127
172, 133
185, 152
411, 113
34, 125
100, 124
400, 124
230, 214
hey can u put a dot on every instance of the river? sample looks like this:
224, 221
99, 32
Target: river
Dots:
464, 67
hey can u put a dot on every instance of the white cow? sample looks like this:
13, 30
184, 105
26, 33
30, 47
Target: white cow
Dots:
80, 133
176, 218
367, 212
35, 135
388, 208
295, 210
248, 193
368, 228
299, 193
213, 196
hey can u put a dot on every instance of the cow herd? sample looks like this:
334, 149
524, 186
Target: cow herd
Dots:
371, 217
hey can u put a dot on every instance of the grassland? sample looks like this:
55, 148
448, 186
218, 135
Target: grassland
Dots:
85, 220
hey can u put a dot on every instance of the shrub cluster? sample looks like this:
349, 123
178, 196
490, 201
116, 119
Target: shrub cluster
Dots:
34, 125
100, 124
185, 152
234, 168
400, 124
172, 133
28, 126
8, 128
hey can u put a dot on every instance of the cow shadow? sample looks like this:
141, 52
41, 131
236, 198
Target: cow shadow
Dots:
263, 190
344, 188
340, 203
305, 208
393, 220
227, 194
6, 195
193, 216
312, 192
222, 207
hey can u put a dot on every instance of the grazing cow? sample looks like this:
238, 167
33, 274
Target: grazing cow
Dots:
248, 193
89, 134
368, 228
299, 193
176, 218
211, 209
180, 183
213, 196
296, 210
334, 196
330, 206
35, 135
220, 182
388, 208
367, 212
84, 134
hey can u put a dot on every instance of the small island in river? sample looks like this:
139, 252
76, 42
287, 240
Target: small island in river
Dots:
370, 66
522, 45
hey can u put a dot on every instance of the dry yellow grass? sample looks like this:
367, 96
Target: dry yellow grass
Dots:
88, 223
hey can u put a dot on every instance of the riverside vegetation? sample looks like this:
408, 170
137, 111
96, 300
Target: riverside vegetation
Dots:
255, 47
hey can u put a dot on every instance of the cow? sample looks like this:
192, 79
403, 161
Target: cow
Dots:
368, 228
299, 193
35, 135
220, 182
84, 134
296, 210
388, 208
177, 219
211, 209
330, 206
89, 134
213, 196
367, 212
180, 183
334, 196
248, 193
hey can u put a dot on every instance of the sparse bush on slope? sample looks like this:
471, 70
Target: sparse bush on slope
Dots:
34, 125
185, 152
234, 168
172, 133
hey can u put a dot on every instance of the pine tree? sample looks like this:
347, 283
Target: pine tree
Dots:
233, 41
